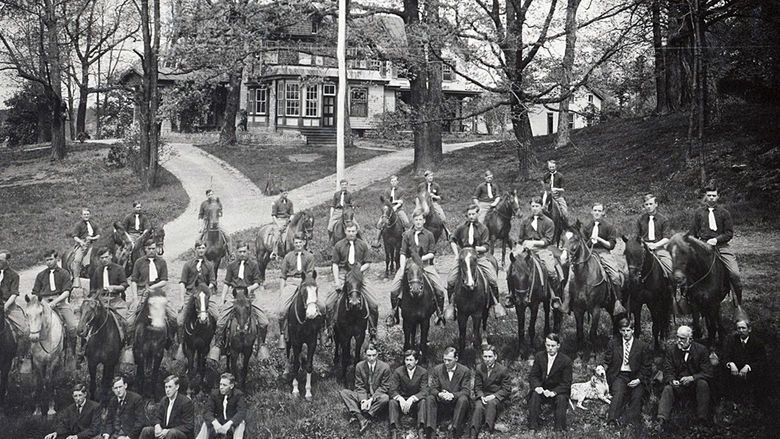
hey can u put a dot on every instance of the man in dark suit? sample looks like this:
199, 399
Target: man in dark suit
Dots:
125, 413
372, 382
449, 388
78, 420
227, 410
687, 373
492, 386
745, 357
629, 365
408, 388
550, 381
175, 415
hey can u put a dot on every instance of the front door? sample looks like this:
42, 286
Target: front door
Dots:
328, 111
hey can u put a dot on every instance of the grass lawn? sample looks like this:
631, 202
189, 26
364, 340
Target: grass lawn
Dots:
42, 200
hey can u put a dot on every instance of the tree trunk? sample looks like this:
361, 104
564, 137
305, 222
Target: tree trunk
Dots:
227, 135
661, 101
521, 126
564, 133
81, 113
434, 112
58, 150
423, 154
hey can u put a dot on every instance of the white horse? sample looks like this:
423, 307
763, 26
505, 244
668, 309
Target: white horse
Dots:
47, 338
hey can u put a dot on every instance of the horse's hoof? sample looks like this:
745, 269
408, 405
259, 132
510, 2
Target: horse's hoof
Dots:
296, 393
51, 412
37, 412
308, 397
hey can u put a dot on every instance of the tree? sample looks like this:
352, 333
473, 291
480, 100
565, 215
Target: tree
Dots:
147, 99
563, 138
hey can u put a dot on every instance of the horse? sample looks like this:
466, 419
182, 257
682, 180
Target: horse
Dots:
301, 222
242, 332
526, 284
199, 327
433, 221
499, 221
392, 230
103, 341
648, 286
216, 248
340, 228
699, 271
352, 321
472, 298
588, 284
47, 337
118, 242
156, 234
151, 340
553, 211
305, 322
417, 304
8, 347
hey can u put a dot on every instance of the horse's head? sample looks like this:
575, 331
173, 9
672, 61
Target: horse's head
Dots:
157, 306
38, 314
424, 200
513, 201
683, 250
119, 236
353, 284
242, 310
388, 214
520, 271
309, 293
91, 310
467, 265
574, 244
414, 274
305, 224
636, 254
201, 302
158, 235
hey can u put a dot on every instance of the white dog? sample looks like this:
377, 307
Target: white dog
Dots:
596, 388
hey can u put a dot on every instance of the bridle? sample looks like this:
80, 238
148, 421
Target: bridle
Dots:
390, 219
641, 266
709, 270
530, 288
92, 329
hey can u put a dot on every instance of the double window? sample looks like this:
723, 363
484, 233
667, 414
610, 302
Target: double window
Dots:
292, 99
257, 100
358, 101
312, 101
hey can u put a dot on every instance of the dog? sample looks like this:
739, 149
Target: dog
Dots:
596, 388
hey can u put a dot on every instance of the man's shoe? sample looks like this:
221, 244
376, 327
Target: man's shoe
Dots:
363, 425
281, 344
352, 420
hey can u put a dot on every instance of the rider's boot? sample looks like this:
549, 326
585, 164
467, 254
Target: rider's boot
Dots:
555, 287
282, 332
566, 299
498, 309
180, 336
378, 242
449, 310
392, 319
374, 317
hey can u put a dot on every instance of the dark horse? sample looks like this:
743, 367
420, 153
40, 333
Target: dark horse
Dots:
216, 248
301, 222
151, 340
499, 220
8, 346
472, 298
392, 230
553, 211
526, 284
242, 333
417, 305
588, 284
705, 279
156, 234
118, 242
340, 228
199, 329
103, 342
305, 322
433, 221
648, 286
352, 321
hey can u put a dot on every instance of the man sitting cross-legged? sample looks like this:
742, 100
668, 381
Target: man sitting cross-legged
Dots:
408, 389
226, 412
492, 387
449, 391
372, 382
550, 382
629, 361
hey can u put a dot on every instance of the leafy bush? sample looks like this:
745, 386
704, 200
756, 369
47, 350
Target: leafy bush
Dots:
21, 125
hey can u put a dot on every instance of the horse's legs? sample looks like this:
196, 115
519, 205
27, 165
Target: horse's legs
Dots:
246, 356
594, 326
636, 310
579, 317
92, 366
479, 338
546, 310
534, 308
336, 344
712, 319
695, 321
311, 346
140, 366
425, 326
520, 310
105, 381
407, 325
296, 366
156, 372
359, 339
462, 321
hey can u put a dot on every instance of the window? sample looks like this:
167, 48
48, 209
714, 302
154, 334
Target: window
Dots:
280, 98
261, 105
250, 100
312, 101
446, 73
315, 25
374, 64
292, 99
329, 89
590, 98
358, 102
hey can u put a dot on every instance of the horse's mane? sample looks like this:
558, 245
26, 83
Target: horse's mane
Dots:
298, 217
354, 276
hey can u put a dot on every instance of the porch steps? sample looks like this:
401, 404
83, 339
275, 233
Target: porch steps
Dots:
319, 135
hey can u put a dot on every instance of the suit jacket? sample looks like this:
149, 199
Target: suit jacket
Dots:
459, 385
182, 415
84, 425
401, 384
640, 360
379, 382
236, 408
559, 378
697, 366
751, 353
498, 383
127, 419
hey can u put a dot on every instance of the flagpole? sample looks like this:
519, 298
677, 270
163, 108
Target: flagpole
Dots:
341, 94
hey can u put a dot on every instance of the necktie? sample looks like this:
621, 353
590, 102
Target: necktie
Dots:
106, 282
241, 270
429, 187
489, 191
200, 263
351, 257
651, 228
52, 284
298, 263
224, 408
685, 357
392, 195
137, 222
417, 237
81, 407
471, 233
711, 218
371, 379
152, 270
341, 200
595, 233
2, 275
550, 361
90, 231
552, 181
534, 223
626, 351
168, 414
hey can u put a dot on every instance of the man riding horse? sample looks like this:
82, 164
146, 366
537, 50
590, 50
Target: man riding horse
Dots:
486, 196
435, 190
295, 265
243, 273
395, 196
108, 283
341, 199
210, 212
552, 184
150, 276
282, 212
53, 285
417, 239
653, 231
9, 291
474, 234
536, 234
136, 223
85, 233
197, 271
349, 253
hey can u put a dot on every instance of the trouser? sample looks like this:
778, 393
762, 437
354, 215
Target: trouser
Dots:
65, 311
665, 259
484, 208
351, 399
121, 310
394, 409
148, 433
234, 432
226, 314
431, 276
458, 407
286, 297
336, 217
612, 268
403, 217
280, 236
81, 257
699, 390
369, 294
563, 207
485, 414
623, 395
739, 389
487, 265
729, 259
560, 403
18, 321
